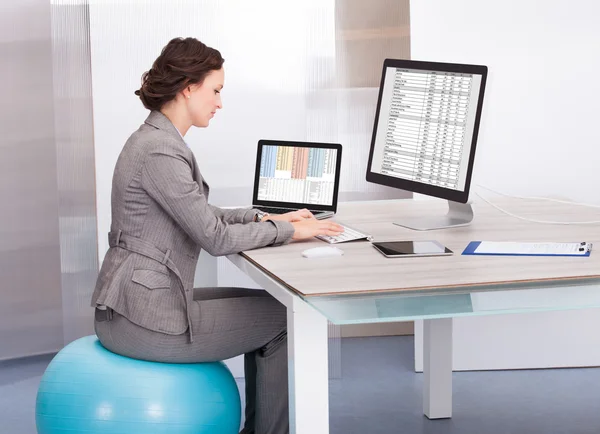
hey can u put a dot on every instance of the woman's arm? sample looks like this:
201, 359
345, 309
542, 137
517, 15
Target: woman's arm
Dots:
234, 215
167, 178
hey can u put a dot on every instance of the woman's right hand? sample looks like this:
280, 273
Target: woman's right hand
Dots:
311, 228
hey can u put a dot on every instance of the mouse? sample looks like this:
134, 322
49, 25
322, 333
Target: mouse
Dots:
322, 252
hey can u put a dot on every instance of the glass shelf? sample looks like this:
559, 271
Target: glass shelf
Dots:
474, 301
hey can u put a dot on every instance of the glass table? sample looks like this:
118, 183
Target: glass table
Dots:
447, 303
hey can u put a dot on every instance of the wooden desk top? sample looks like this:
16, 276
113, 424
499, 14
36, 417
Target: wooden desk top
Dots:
363, 269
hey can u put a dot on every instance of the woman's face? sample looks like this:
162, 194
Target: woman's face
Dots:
205, 99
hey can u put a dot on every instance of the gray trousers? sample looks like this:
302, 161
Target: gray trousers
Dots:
226, 322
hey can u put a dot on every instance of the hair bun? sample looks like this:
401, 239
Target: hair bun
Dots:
182, 62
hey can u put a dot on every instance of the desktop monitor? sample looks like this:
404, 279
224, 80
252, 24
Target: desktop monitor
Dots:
425, 134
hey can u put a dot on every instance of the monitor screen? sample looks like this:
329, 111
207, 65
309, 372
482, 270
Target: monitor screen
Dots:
297, 174
426, 127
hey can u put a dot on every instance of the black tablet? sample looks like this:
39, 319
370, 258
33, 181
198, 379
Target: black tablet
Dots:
400, 249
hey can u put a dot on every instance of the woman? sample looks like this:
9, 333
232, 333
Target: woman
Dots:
146, 305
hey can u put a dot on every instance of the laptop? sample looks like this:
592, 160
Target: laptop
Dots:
294, 175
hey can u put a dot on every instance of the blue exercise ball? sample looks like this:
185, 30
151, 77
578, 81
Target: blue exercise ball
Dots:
88, 389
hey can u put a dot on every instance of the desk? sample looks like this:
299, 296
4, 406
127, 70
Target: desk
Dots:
363, 286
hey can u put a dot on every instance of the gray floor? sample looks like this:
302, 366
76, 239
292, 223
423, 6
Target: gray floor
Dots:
380, 394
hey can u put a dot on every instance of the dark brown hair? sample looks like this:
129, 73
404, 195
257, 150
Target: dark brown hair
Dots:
182, 62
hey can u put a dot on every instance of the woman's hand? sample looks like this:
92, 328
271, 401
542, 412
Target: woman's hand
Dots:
294, 216
309, 228
306, 225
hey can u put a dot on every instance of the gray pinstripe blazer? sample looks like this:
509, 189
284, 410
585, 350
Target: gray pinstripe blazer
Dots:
160, 220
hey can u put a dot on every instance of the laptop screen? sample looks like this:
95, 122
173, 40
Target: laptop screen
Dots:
298, 173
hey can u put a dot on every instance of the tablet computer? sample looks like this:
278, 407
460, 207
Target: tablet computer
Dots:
401, 249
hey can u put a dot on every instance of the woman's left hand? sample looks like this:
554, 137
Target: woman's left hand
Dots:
294, 216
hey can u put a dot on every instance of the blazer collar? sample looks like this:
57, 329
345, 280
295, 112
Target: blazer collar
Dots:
160, 121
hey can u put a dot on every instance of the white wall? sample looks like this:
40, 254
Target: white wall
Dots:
538, 131
538, 136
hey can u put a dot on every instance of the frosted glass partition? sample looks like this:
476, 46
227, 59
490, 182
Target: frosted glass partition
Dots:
293, 70
77, 220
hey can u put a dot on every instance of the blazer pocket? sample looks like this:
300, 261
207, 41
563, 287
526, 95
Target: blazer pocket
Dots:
151, 279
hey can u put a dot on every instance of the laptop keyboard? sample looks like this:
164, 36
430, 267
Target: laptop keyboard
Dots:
276, 210
349, 234
285, 210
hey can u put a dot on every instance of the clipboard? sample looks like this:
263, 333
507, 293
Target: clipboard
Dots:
508, 248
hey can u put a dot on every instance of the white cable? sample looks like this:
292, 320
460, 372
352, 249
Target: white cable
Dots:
536, 198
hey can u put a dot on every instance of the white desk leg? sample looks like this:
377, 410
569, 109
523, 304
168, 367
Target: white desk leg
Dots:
308, 370
437, 368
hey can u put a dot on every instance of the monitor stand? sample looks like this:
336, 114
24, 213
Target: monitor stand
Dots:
459, 214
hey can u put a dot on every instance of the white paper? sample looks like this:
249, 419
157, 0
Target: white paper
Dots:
531, 248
